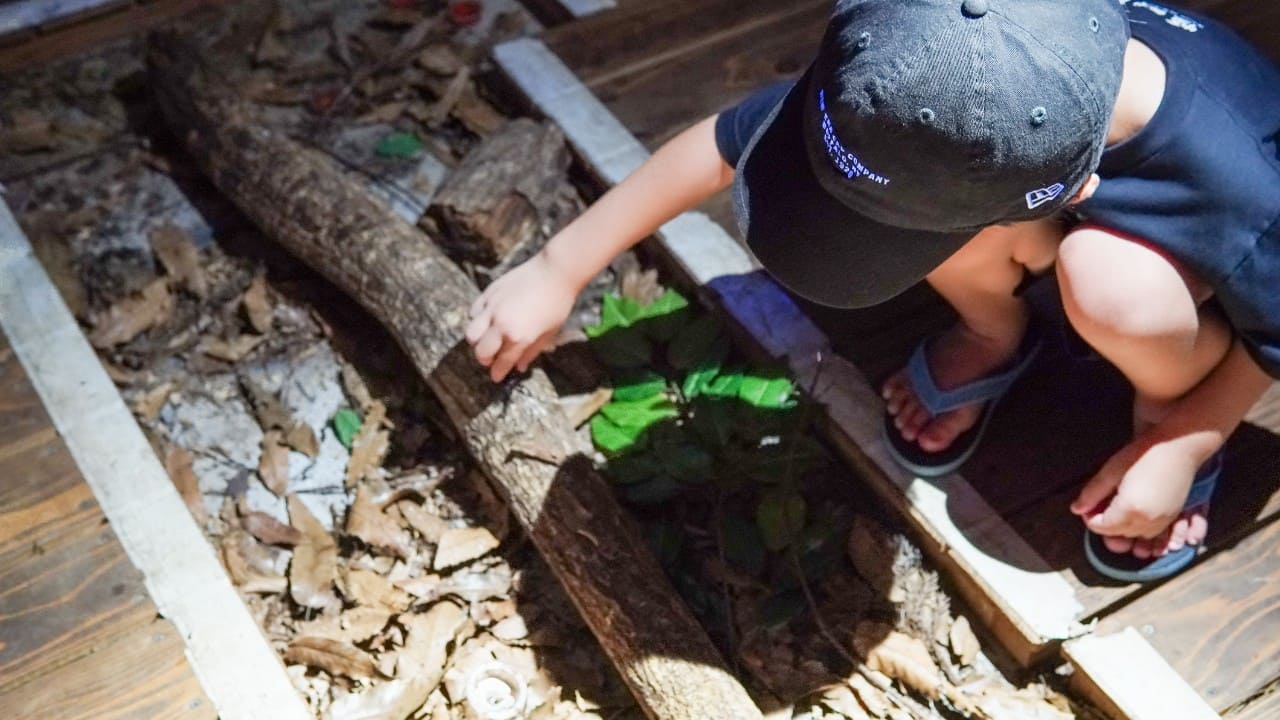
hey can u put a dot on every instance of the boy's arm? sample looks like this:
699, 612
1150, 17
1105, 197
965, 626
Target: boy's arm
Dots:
1199, 424
517, 316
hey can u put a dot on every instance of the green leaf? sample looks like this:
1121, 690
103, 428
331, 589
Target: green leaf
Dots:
780, 517
712, 421
651, 492
613, 438
724, 386
345, 425
781, 608
639, 386
633, 468
699, 377
687, 463
699, 341
775, 463
769, 393
666, 538
664, 317
743, 546
623, 347
640, 414
399, 145
615, 312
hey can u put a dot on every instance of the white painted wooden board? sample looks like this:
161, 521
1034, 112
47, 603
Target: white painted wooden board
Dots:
1133, 676
30, 14
227, 652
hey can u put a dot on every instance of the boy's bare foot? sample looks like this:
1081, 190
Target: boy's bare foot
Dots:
1190, 528
956, 357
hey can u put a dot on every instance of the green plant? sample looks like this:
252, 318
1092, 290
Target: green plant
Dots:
697, 441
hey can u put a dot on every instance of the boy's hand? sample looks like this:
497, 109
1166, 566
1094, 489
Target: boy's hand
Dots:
519, 315
1147, 483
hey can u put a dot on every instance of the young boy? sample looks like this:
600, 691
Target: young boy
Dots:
969, 143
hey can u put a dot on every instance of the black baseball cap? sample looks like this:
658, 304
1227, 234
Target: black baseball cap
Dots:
920, 123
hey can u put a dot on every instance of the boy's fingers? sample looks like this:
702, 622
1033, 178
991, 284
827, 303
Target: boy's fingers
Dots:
534, 351
1117, 519
1095, 492
479, 304
488, 346
477, 326
505, 361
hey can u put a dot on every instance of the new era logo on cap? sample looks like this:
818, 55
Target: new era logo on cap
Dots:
1036, 198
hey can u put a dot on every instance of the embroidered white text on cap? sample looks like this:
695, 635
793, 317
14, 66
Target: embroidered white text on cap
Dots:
1036, 198
845, 161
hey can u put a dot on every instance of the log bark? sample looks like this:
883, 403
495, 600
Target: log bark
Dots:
503, 193
515, 431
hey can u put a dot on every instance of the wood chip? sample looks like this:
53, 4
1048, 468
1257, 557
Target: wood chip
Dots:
180, 258
315, 560
178, 463
440, 59
580, 408
963, 642
257, 305
462, 545
268, 529
273, 465
231, 351
366, 588
370, 445
333, 656
132, 316
368, 523
899, 656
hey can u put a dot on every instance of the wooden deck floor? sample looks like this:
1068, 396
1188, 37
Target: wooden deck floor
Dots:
79, 637
660, 65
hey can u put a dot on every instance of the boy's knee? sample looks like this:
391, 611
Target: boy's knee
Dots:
1113, 288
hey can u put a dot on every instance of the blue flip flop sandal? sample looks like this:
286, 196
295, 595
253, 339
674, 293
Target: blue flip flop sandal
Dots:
988, 390
1126, 567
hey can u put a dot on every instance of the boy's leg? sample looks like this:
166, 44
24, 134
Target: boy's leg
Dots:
1143, 313
979, 283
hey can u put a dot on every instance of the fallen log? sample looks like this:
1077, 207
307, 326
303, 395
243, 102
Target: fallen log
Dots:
515, 431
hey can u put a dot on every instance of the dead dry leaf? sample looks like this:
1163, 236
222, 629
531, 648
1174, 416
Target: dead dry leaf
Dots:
360, 624
428, 525
302, 438
181, 259
357, 390
268, 529
963, 642
427, 641
315, 560
132, 316
273, 465
369, 589
178, 463
333, 656
370, 445
231, 351
840, 698
257, 305
872, 550
871, 697
462, 545
394, 700
147, 407
439, 59
368, 523
580, 408
899, 656
248, 566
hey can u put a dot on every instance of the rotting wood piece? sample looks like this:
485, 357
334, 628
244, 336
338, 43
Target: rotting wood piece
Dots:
500, 195
515, 431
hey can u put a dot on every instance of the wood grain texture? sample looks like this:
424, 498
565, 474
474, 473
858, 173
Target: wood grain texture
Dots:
139, 674
515, 431
1263, 706
1217, 624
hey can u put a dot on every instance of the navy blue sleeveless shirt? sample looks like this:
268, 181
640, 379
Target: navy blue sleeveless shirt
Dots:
1201, 181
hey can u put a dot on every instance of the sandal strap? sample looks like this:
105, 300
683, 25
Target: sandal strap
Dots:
938, 401
1205, 483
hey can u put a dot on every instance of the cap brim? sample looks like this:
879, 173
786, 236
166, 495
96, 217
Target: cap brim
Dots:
809, 241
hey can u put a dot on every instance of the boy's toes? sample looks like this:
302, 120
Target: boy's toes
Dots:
1178, 534
1117, 544
1197, 527
910, 421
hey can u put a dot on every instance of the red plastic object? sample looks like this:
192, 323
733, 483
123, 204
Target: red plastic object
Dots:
465, 12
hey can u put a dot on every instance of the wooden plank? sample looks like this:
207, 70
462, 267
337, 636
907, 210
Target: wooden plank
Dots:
137, 674
1126, 678
641, 35
1218, 623
68, 40
28, 14
715, 75
241, 674
1263, 706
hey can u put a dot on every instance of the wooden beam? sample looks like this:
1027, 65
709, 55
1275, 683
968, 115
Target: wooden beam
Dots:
1128, 680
